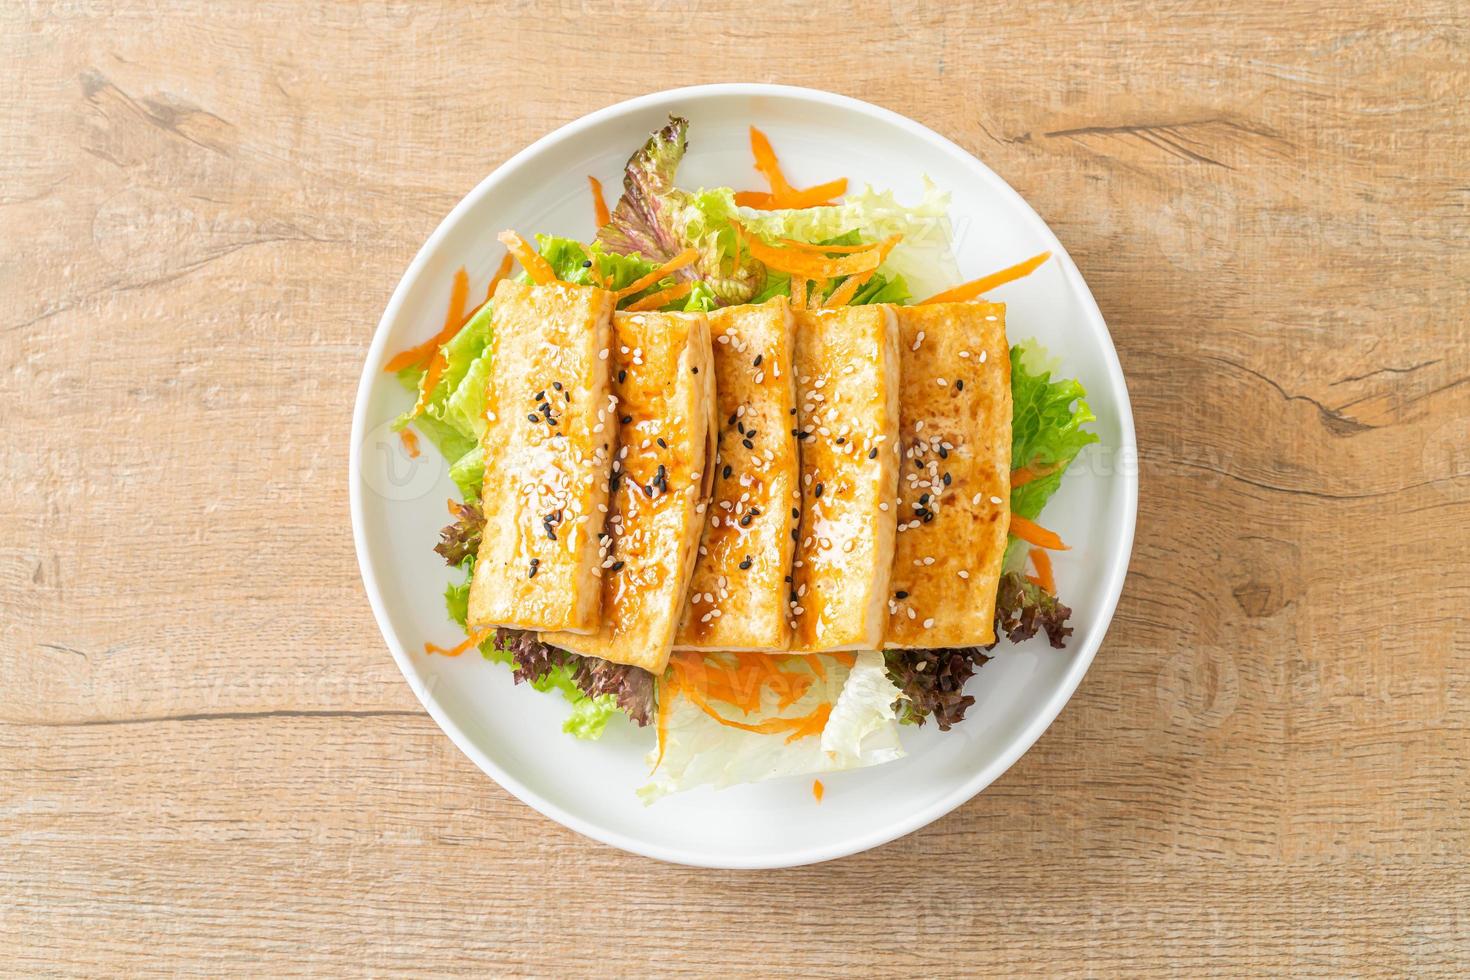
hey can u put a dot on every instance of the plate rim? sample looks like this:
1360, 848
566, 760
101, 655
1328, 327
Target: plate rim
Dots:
1117, 564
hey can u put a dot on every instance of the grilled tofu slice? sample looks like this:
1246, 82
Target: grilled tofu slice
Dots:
548, 451
955, 483
665, 388
737, 598
847, 379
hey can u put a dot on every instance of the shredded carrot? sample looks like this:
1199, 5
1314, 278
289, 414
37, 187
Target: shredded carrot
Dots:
812, 197
814, 295
661, 298
1033, 533
817, 789
798, 292
665, 708
782, 194
599, 203
844, 293
765, 162
536, 267
454, 318
848, 660
1025, 474
798, 262
976, 287
501, 271
814, 661
685, 258
473, 640
410, 441
761, 200
1044, 576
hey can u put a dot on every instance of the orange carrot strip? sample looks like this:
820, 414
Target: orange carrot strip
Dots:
984, 284
473, 640
685, 258
812, 197
1025, 474
761, 200
844, 293
661, 298
848, 660
1033, 533
410, 441
1044, 576
817, 789
599, 204
800, 263
501, 271
814, 296
765, 162
798, 291
454, 318
536, 267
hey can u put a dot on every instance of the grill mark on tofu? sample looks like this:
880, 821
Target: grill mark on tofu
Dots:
847, 389
546, 460
954, 492
737, 597
662, 400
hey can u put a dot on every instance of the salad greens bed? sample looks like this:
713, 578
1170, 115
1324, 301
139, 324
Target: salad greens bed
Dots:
654, 220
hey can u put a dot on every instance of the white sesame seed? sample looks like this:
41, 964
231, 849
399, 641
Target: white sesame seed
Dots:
928, 560
942, 382
964, 353
964, 574
723, 338
912, 614
982, 357
760, 376
602, 354
996, 500
975, 500
883, 505
928, 623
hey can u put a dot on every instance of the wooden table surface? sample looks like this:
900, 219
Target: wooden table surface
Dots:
208, 761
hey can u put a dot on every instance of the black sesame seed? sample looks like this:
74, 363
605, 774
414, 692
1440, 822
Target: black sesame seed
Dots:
788, 579
612, 485
792, 412
661, 443
923, 498
795, 514
726, 472
733, 418
900, 594
535, 564
841, 440
943, 453
694, 370
587, 264
793, 534
755, 511
745, 520
617, 566
626, 419
533, 416
928, 516
622, 375
959, 384
747, 443
873, 453
818, 491
745, 564
946, 479
540, 396
568, 395
757, 361
556, 385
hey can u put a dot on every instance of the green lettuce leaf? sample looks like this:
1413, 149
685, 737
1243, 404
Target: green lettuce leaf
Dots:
1046, 432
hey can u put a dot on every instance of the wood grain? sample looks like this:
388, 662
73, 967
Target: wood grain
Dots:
209, 764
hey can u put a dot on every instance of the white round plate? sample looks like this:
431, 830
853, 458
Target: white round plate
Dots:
514, 733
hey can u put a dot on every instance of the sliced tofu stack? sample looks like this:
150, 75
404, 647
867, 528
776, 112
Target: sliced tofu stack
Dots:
663, 383
738, 596
955, 475
548, 453
847, 367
